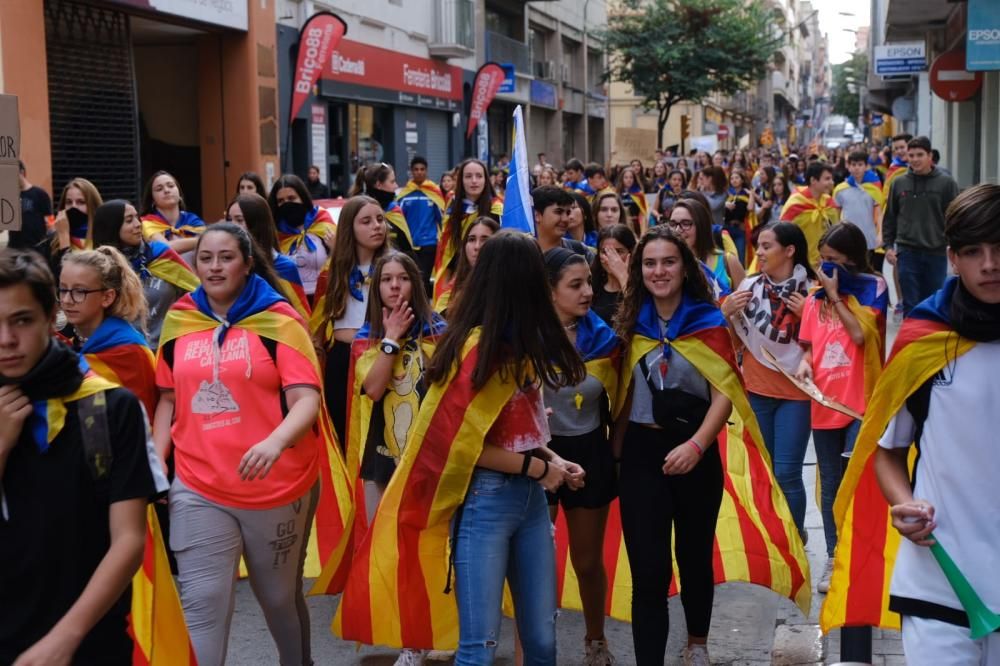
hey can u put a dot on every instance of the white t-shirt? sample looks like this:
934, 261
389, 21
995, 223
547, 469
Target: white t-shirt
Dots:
355, 310
958, 472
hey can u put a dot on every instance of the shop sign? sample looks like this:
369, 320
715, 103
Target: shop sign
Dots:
227, 13
319, 141
902, 58
10, 152
420, 79
484, 89
982, 43
509, 85
543, 94
318, 38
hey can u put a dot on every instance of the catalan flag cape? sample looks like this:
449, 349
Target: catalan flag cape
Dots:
638, 197
866, 541
446, 251
813, 216
291, 285
429, 188
360, 410
78, 237
119, 353
896, 169
756, 540
262, 311
870, 183
48, 416
156, 620
316, 224
399, 230
157, 259
395, 594
188, 225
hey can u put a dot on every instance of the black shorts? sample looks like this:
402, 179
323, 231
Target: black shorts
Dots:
592, 452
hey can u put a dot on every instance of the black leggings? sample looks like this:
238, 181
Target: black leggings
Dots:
650, 503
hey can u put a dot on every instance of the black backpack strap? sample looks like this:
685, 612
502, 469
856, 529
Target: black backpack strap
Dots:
272, 350
167, 353
919, 405
92, 413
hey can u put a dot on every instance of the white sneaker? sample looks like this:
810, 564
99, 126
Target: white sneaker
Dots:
597, 654
823, 586
440, 655
696, 655
410, 657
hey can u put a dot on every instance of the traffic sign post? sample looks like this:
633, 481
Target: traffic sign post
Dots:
949, 79
723, 133
903, 58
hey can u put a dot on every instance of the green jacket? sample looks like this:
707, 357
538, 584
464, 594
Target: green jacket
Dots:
914, 211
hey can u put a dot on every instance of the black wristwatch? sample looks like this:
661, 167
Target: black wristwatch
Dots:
389, 346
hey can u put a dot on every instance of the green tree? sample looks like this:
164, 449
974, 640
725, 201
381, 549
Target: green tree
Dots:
685, 50
848, 79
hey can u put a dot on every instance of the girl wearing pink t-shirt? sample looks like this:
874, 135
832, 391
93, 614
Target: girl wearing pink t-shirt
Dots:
239, 394
834, 360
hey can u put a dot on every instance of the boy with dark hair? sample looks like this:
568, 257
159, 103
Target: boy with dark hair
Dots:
423, 206
898, 165
946, 361
317, 188
812, 208
860, 200
75, 477
913, 226
553, 207
36, 205
572, 174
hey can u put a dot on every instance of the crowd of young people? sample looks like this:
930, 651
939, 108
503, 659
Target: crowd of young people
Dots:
404, 332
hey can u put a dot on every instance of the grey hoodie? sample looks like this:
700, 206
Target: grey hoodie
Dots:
914, 211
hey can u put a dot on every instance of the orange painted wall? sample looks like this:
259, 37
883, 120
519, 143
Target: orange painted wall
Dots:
25, 74
229, 100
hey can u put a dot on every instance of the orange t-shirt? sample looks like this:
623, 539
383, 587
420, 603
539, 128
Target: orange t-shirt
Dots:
764, 381
215, 423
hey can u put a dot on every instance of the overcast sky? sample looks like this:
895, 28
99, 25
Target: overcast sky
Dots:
833, 24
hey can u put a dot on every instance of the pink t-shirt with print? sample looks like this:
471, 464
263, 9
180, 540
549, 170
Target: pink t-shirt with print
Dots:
838, 365
216, 422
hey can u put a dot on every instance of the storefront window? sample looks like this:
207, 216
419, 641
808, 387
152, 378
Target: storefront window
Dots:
366, 135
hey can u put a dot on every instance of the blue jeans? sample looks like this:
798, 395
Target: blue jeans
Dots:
504, 532
831, 445
920, 275
785, 426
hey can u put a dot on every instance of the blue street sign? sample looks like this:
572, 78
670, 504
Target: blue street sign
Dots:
877, 119
508, 85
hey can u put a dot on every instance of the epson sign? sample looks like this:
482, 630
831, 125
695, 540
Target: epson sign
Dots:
984, 36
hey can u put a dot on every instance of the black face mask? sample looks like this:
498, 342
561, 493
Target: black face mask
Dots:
77, 219
972, 318
292, 213
382, 197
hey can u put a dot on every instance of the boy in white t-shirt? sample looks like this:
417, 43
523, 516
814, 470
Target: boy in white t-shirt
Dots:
954, 492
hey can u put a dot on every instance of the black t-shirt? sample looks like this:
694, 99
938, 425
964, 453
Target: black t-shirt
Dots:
57, 531
605, 304
35, 206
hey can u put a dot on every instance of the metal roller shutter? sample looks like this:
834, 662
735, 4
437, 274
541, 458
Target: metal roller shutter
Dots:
438, 155
92, 105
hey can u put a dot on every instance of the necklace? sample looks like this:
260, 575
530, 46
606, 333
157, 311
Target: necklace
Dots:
571, 327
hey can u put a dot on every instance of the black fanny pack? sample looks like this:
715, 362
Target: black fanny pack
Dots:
678, 412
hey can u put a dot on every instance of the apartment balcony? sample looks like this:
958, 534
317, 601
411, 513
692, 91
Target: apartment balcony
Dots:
782, 87
454, 29
503, 49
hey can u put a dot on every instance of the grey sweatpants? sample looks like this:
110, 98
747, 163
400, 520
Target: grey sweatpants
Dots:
208, 539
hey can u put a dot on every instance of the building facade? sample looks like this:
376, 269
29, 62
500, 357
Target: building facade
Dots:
401, 79
967, 133
118, 89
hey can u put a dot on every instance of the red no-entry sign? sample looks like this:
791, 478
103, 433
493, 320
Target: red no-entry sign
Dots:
949, 79
723, 132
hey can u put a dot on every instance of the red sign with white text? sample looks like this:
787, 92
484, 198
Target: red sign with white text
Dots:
364, 65
489, 78
317, 40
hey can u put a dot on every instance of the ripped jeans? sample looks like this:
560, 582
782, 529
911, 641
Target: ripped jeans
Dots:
504, 532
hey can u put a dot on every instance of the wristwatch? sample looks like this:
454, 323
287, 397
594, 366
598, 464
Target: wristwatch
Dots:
389, 346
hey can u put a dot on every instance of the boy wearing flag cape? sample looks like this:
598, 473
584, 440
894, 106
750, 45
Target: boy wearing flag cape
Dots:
423, 207
73, 503
943, 368
812, 209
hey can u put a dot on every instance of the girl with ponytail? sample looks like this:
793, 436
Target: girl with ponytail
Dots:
378, 181
103, 300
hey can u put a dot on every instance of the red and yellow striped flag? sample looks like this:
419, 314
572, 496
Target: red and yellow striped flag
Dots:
446, 250
156, 621
756, 539
395, 592
866, 540
428, 187
812, 216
